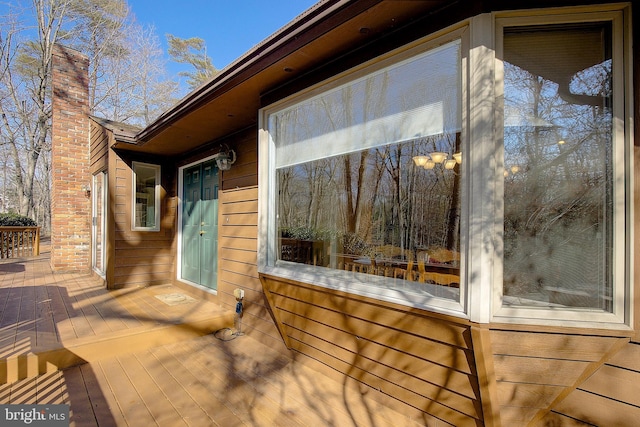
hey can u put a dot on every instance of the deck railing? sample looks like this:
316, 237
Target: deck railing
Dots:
16, 242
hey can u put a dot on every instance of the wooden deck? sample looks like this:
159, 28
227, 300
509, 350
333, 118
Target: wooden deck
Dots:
128, 358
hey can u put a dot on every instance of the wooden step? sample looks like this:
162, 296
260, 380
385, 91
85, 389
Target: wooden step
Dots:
36, 361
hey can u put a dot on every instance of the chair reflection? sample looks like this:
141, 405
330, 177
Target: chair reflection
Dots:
405, 265
426, 273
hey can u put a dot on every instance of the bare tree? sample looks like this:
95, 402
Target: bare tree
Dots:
134, 87
25, 106
155, 92
116, 46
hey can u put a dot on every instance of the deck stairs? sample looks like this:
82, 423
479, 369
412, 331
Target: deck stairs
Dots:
45, 329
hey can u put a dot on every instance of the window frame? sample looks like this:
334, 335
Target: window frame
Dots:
336, 279
99, 206
156, 196
622, 267
481, 218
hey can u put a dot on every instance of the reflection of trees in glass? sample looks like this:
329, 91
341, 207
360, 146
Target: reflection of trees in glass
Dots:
398, 204
344, 162
558, 180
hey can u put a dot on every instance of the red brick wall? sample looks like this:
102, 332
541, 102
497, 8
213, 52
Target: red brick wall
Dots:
70, 174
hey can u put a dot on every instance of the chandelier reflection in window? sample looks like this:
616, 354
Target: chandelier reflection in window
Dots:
430, 160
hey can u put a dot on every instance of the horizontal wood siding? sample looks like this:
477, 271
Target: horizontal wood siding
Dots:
244, 172
421, 362
237, 246
539, 375
609, 397
141, 258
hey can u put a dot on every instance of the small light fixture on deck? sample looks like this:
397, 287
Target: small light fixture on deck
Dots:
225, 158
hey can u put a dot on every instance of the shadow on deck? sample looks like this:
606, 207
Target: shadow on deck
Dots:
147, 356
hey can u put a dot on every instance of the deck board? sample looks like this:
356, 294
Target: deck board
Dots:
201, 381
154, 395
129, 402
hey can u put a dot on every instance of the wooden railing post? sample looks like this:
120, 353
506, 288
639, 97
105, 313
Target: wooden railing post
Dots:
36, 243
19, 241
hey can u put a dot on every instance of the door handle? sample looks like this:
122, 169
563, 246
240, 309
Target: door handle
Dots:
202, 232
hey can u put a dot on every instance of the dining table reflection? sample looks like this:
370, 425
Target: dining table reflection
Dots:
421, 269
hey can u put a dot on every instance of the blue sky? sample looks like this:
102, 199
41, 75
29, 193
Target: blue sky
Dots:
229, 27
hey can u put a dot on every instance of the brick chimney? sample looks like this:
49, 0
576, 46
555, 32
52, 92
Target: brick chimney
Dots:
70, 173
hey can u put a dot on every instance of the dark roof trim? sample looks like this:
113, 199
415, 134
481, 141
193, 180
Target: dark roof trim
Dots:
204, 93
122, 132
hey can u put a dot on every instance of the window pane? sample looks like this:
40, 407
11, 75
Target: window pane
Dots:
352, 198
411, 99
145, 197
558, 177
99, 193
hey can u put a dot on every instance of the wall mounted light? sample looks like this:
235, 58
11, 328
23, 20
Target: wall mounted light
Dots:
225, 158
87, 190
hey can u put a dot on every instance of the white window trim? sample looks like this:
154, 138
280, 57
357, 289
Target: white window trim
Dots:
480, 170
359, 284
621, 317
156, 226
103, 223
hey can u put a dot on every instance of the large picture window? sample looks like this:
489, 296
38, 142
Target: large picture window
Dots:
487, 176
146, 197
368, 180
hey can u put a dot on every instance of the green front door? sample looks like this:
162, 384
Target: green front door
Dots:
200, 224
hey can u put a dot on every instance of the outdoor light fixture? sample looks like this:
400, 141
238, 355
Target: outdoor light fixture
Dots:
450, 164
224, 159
457, 157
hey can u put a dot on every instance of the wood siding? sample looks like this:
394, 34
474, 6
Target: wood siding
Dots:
536, 372
244, 172
140, 258
609, 397
421, 362
237, 261
437, 369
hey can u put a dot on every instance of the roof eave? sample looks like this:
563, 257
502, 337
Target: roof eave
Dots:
207, 91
